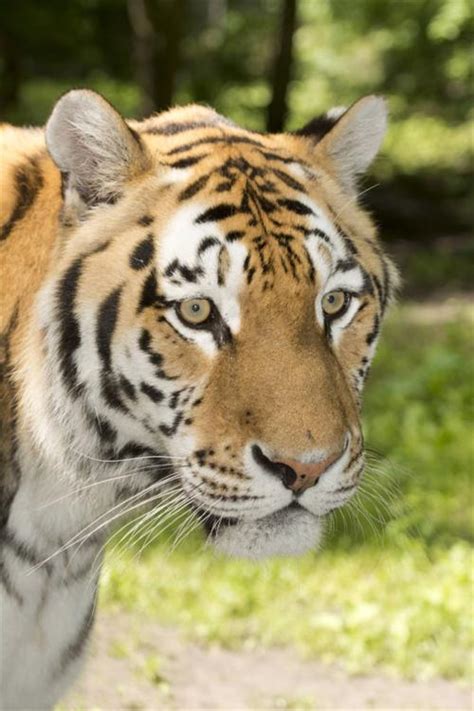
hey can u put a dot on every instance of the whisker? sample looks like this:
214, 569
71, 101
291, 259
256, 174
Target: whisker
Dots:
140, 520
129, 535
182, 511
127, 459
76, 536
355, 198
102, 481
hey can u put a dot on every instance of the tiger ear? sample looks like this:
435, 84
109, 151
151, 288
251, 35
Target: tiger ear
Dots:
93, 147
350, 139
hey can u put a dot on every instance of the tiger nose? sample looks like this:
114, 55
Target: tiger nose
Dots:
293, 473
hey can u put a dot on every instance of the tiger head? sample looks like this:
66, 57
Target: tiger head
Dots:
216, 298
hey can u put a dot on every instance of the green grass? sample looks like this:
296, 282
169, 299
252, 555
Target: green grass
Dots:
393, 586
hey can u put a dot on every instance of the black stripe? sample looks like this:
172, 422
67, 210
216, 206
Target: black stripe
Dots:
215, 139
234, 235
28, 183
289, 180
269, 155
386, 284
145, 220
370, 338
109, 389
149, 292
70, 337
217, 213
6, 581
344, 265
153, 393
170, 430
187, 273
143, 253
188, 162
105, 430
193, 189
295, 206
206, 243
75, 648
127, 387
347, 241
133, 450
9, 466
106, 322
24, 551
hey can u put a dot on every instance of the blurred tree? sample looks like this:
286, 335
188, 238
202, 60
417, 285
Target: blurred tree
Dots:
167, 17
278, 109
144, 40
10, 81
249, 60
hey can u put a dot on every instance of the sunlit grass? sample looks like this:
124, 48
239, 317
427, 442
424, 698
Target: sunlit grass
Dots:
392, 588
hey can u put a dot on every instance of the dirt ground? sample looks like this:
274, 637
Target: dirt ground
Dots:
157, 669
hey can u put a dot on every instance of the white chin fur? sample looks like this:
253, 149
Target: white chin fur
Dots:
284, 533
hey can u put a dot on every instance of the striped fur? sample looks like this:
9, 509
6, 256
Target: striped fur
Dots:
110, 400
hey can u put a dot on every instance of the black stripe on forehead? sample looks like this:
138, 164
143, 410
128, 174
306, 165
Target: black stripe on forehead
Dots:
194, 188
177, 270
217, 213
206, 244
209, 140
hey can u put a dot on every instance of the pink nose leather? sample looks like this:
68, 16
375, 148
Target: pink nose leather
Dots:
308, 474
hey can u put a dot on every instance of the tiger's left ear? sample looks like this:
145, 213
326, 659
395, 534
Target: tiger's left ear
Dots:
93, 147
350, 139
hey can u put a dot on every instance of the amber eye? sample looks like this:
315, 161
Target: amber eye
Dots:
334, 303
194, 311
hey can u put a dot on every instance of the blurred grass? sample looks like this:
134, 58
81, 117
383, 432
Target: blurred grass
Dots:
393, 586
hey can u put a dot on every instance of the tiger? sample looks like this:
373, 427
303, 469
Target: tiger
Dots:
189, 310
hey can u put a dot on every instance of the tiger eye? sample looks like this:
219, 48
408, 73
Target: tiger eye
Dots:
195, 311
334, 302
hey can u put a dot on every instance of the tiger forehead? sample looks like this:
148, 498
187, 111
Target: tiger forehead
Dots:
261, 203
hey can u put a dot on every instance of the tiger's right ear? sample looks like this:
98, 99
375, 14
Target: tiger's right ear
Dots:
93, 147
349, 139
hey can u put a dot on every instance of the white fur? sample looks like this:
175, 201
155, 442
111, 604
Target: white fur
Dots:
287, 532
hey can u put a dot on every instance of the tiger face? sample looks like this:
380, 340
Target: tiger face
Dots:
217, 298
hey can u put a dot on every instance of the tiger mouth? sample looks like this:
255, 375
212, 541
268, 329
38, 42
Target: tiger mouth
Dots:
213, 523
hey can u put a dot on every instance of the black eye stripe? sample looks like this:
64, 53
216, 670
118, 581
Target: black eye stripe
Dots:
213, 324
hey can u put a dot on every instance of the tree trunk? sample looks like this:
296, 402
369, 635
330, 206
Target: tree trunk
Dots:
170, 26
157, 29
277, 109
144, 41
10, 76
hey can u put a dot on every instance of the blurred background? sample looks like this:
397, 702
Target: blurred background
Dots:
392, 591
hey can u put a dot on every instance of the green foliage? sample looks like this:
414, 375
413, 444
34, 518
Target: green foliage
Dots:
418, 53
392, 585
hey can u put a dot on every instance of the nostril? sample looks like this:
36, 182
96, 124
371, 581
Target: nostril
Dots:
282, 471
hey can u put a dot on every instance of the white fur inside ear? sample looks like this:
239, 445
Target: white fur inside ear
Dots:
90, 141
355, 140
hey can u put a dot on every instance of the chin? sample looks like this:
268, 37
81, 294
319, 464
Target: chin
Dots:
289, 532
